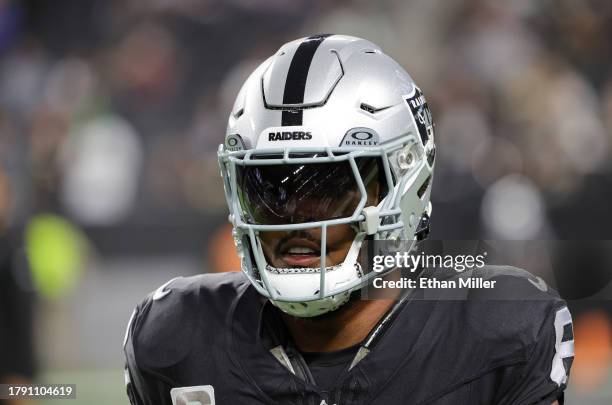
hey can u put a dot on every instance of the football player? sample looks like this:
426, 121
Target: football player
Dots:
330, 144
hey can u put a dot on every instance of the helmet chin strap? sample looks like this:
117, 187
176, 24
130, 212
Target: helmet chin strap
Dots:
322, 306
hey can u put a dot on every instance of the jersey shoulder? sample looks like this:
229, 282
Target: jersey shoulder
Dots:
534, 325
165, 325
518, 308
520, 322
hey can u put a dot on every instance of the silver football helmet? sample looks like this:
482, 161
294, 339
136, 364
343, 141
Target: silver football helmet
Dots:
327, 132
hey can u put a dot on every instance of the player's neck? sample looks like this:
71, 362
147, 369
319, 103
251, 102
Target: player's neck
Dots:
346, 327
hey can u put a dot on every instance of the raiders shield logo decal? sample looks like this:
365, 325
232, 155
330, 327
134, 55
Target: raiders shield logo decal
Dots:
200, 395
422, 118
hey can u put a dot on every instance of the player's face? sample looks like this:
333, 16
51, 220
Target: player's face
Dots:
302, 248
294, 194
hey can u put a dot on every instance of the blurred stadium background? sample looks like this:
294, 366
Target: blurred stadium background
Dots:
111, 112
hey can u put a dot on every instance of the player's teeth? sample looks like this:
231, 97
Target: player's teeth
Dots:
300, 250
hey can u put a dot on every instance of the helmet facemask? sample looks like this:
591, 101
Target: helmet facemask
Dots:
300, 219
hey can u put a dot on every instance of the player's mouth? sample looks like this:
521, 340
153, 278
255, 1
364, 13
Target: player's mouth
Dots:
300, 253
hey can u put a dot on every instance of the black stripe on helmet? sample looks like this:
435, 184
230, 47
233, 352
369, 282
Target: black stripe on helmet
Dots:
295, 85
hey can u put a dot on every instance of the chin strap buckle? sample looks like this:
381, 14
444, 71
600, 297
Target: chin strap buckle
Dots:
371, 221
422, 230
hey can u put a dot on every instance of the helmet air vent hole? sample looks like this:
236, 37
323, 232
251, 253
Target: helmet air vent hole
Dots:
371, 109
367, 108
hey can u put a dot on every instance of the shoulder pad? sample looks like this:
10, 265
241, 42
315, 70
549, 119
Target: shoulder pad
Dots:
182, 311
517, 307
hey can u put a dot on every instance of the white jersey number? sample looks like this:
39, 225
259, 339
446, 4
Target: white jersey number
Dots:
564, 346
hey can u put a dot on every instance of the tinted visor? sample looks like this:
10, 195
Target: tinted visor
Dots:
298, 193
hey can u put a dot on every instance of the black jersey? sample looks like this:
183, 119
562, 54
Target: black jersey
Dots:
213, 339
325, 368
